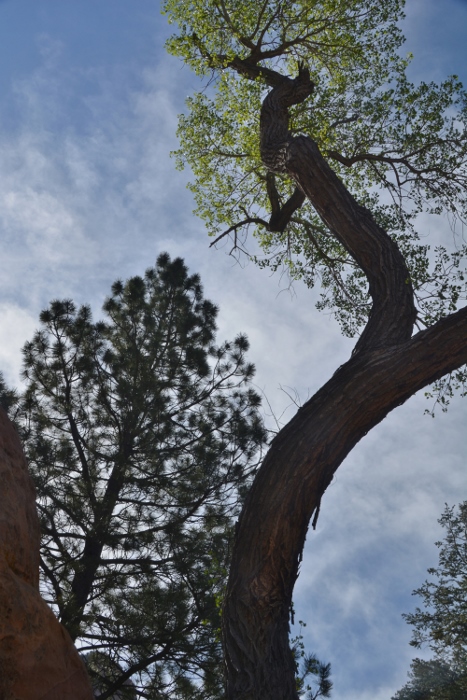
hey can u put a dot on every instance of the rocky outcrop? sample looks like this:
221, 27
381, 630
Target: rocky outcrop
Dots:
38, 660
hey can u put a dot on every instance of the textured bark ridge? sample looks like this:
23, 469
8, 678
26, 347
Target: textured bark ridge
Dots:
388, 366
38, 660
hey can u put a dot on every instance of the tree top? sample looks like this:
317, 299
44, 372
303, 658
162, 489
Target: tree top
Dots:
400, 148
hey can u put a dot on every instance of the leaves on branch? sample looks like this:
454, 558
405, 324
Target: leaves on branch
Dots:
401, 149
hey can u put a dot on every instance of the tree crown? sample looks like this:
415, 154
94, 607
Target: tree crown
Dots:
400, 148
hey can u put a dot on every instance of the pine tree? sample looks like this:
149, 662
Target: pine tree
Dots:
433, 680
442, 623
309, 669
141, 435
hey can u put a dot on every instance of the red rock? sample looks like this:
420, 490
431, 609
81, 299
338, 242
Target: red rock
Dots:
38, 660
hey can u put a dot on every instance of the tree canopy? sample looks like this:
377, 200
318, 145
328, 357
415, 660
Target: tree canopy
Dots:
400, 148
142, 435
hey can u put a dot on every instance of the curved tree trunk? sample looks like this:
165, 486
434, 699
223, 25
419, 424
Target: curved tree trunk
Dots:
387, 367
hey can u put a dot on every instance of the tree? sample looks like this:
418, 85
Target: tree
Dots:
294, 87
141, 435
442, 624
433, 680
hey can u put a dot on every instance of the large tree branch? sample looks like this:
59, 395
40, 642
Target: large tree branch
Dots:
288, 488
281, 215
250, 69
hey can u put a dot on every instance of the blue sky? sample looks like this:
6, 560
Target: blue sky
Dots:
89, 193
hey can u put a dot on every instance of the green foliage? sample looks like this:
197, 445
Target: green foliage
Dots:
434, 680
400, 148
142, 435
442, 623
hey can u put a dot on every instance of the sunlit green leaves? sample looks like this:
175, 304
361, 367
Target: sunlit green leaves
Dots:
400, 148
338, 34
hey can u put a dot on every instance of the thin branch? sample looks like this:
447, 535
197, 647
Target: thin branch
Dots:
250, 220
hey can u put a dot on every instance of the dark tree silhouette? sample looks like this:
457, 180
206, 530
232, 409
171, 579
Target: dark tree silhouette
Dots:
141, 434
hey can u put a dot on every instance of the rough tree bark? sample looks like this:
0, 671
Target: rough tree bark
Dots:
388, 365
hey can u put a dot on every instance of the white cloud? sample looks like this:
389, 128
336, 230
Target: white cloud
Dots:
16, 327
91, 198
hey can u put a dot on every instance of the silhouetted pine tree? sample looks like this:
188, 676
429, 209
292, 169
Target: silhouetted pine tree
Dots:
142, 435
